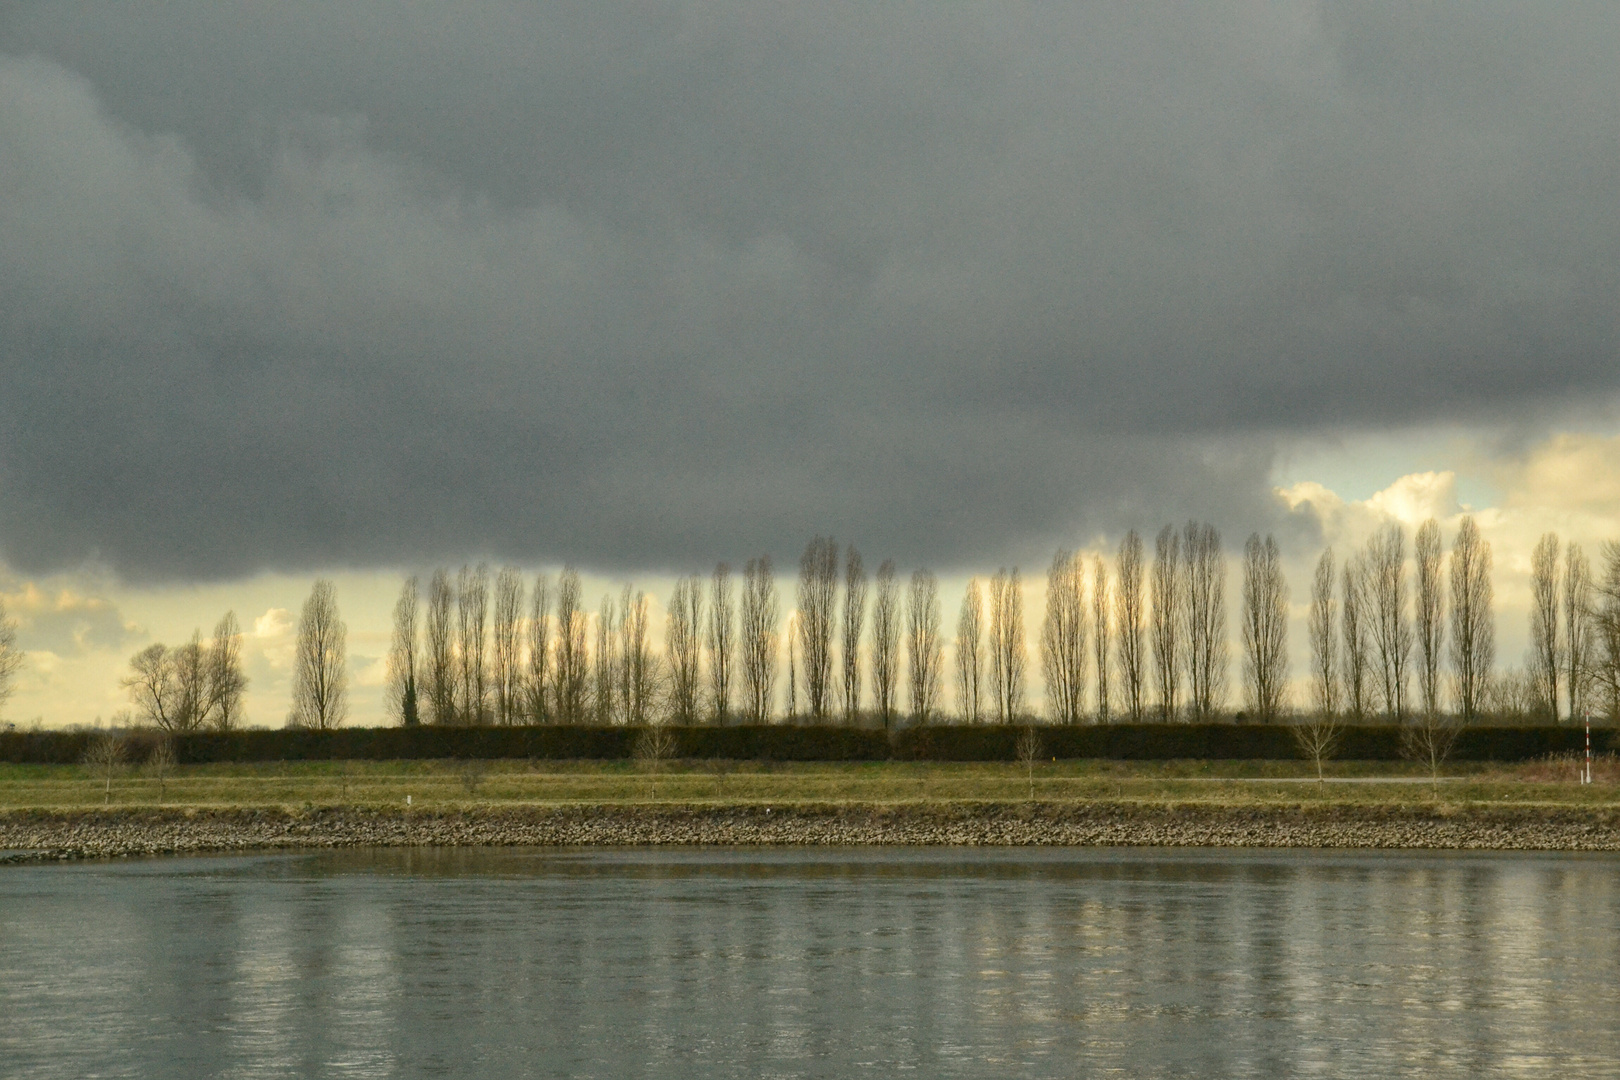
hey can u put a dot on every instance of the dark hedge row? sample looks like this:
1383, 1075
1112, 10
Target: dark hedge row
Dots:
1162, 742
1124, 742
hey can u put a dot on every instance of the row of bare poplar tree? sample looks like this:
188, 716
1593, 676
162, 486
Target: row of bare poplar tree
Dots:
1367, 665
1364, 638
1137, 640
1391, 636
483, 649
1574, 664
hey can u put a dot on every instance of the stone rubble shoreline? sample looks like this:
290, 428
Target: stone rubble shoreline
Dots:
44, 835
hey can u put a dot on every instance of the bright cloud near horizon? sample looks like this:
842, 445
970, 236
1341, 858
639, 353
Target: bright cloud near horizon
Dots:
351, 288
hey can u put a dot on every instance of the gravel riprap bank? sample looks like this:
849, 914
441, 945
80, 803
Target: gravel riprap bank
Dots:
39, 835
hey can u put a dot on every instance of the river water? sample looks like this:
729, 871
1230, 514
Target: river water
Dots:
824, 963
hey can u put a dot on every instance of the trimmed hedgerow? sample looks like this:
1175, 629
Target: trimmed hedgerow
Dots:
1123, 742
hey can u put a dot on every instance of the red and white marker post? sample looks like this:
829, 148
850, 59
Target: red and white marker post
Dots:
1587, 779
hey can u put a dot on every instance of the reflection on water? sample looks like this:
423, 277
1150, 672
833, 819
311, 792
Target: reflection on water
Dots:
748, 963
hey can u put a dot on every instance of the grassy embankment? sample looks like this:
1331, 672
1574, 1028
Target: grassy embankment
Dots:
460, 784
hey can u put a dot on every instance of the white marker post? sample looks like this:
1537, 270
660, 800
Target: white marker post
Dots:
1588, 778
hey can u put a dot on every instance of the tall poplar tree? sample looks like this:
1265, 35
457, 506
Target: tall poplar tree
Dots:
886, 643
320, 697
1265, 627
1063, 639
1128, 605
853, 622
1473, 622
402, 656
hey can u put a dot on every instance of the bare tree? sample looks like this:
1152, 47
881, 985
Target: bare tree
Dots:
1318, 731
1128, 626
105, 754
1169, 598
1391, 633
11, 657
1029, 751
225, 682
320, 697
854, 618
401, 704
1603, 665
208, 679
683, 639
1429, 740
1357, 638
161, 762
793, 667
1545, 658
151, 686
506, 652
572, 650
1008, 657
472, 616
1317, 735
761, 614
1100, 635
818, 601
1205, 612
924, 648
1063, 639
1324, 638
191, 687
886, 643
537, 683
639, 675
1512, 697
190, 675
622, 671
655, 745
1577, 628
970, 654
441, 651
605, 694
1265, 627
1428, 613
721, 643
1473, 624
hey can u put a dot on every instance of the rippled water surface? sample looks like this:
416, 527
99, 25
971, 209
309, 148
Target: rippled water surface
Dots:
828, 963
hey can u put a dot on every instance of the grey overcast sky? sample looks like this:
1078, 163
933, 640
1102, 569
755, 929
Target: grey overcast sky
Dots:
290, 285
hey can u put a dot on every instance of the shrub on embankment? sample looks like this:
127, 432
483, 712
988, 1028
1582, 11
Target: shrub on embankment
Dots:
1123, 742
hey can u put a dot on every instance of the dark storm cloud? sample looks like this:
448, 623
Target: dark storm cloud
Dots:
292, 284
